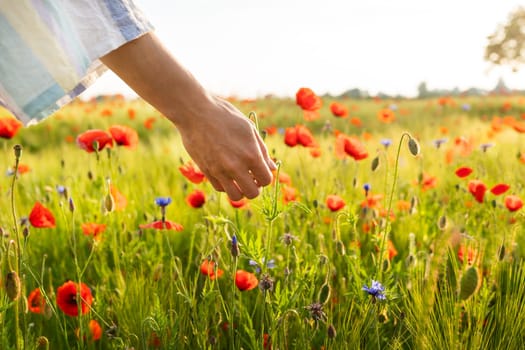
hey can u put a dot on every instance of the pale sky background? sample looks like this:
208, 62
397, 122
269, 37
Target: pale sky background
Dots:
252, 48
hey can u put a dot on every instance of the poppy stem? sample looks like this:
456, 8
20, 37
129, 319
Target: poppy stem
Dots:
18, 153
379, 263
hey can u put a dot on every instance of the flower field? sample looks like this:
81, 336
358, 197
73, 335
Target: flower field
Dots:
390, 224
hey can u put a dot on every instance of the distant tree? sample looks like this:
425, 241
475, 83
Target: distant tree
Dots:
507, 45
422, 90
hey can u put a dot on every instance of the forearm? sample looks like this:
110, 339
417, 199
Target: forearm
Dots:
153, 73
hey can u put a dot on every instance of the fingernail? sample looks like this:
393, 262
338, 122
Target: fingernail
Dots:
272, 165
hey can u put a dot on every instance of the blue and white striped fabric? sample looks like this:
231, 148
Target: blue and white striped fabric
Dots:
50, 49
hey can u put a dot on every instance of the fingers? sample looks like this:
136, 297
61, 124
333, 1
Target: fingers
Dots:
264, 151
215, 183
232, 190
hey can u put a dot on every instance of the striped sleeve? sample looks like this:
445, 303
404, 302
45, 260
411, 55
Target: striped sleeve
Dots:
50, 50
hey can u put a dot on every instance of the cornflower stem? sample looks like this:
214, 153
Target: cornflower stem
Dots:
18, 266
379, 263
232, 312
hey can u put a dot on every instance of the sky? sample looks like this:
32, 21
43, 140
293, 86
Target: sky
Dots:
250, 48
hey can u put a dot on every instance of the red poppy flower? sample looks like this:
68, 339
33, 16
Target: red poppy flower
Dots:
478, 189
499, 189
163, 225
470, 253
513, 202
196, 199
9, 127
41, 217
289, 193
304, 136
131, 113
245, 280
148, 123
36, 302
372, 201
90, 138
22, 168
124, 136
428, 182
192, 173
346, 145
338, 110
238, 204
463, 172
271, 130
93, 229
308, 100
67, 298
299, 134
284, 178
386, 115
315, 152
119, 199
355, 121
95, 330
335, 202
290, 137
208, 269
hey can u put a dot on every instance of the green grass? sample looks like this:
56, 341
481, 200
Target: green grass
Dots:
147, 286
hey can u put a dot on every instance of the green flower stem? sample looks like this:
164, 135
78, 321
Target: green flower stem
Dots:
379, 263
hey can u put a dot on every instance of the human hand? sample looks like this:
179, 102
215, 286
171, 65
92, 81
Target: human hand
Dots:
228, 149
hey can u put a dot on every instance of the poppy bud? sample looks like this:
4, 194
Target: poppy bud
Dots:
332, 333
501, 252
12, 286
157, 273
469, 283
442, 223
340, 247
108, 203
25, 232
18, 151
71, 205
413, 147
375, 163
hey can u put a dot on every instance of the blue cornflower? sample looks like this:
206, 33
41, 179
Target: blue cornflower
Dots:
270, 264
234, 248
163, 201
377, 290
439, 142
386, 142
367, 188
485, 146
465, 107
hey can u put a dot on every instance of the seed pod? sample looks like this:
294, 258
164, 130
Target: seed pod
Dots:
375, 163
469, 283
501, 252
18, 151
413, 147
157, 273
332, 333
442, 223
12, 286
